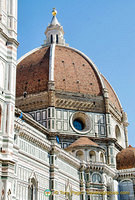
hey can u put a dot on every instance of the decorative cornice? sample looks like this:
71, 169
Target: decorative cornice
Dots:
74, 104
126, 174
124, 171
101, 167
119, 147
77, 101
113, 110
31, 122
3, 161
33, 101
39, 142
10, 40
69, 158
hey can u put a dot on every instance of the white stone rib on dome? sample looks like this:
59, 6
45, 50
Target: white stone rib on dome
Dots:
51, 62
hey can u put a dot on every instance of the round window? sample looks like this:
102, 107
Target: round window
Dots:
80, 122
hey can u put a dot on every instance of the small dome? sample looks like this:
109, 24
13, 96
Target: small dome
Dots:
126, 158
82, 142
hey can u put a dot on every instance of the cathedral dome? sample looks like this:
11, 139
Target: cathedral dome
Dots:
126, 158
67, 70
73, 73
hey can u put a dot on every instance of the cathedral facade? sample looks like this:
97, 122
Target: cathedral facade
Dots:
63, 132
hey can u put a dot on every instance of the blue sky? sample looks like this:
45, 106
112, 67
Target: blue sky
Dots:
102, 29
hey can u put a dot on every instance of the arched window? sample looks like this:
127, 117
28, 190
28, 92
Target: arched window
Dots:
51, 39
68, 189
126, 190
88, 197
92, 156
101, 157
57, 39
33, 188
0, 115
117, 133
2, 75
108, 192
96, 178
79, 155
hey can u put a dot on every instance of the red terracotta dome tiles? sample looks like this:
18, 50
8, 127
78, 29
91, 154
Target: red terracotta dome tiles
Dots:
82, 141
33, 73
126, 158
76, 72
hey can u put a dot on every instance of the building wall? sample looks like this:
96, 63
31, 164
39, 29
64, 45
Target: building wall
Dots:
61, 120
32, 155
101, 126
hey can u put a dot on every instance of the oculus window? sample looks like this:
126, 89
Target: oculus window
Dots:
81, 122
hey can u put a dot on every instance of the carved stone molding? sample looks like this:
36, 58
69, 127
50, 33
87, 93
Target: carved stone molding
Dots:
32, 102
39, 143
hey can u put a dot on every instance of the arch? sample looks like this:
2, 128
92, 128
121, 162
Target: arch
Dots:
57, 39
101, 157
125, 180
33, 188
92, 156
68, 189
104, 180
108, 191
80, 155
126, 186
0, 115
2, 75
51, 39
117, 133
96, 178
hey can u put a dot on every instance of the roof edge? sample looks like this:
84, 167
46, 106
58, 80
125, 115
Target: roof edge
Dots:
28, 53
113, 91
